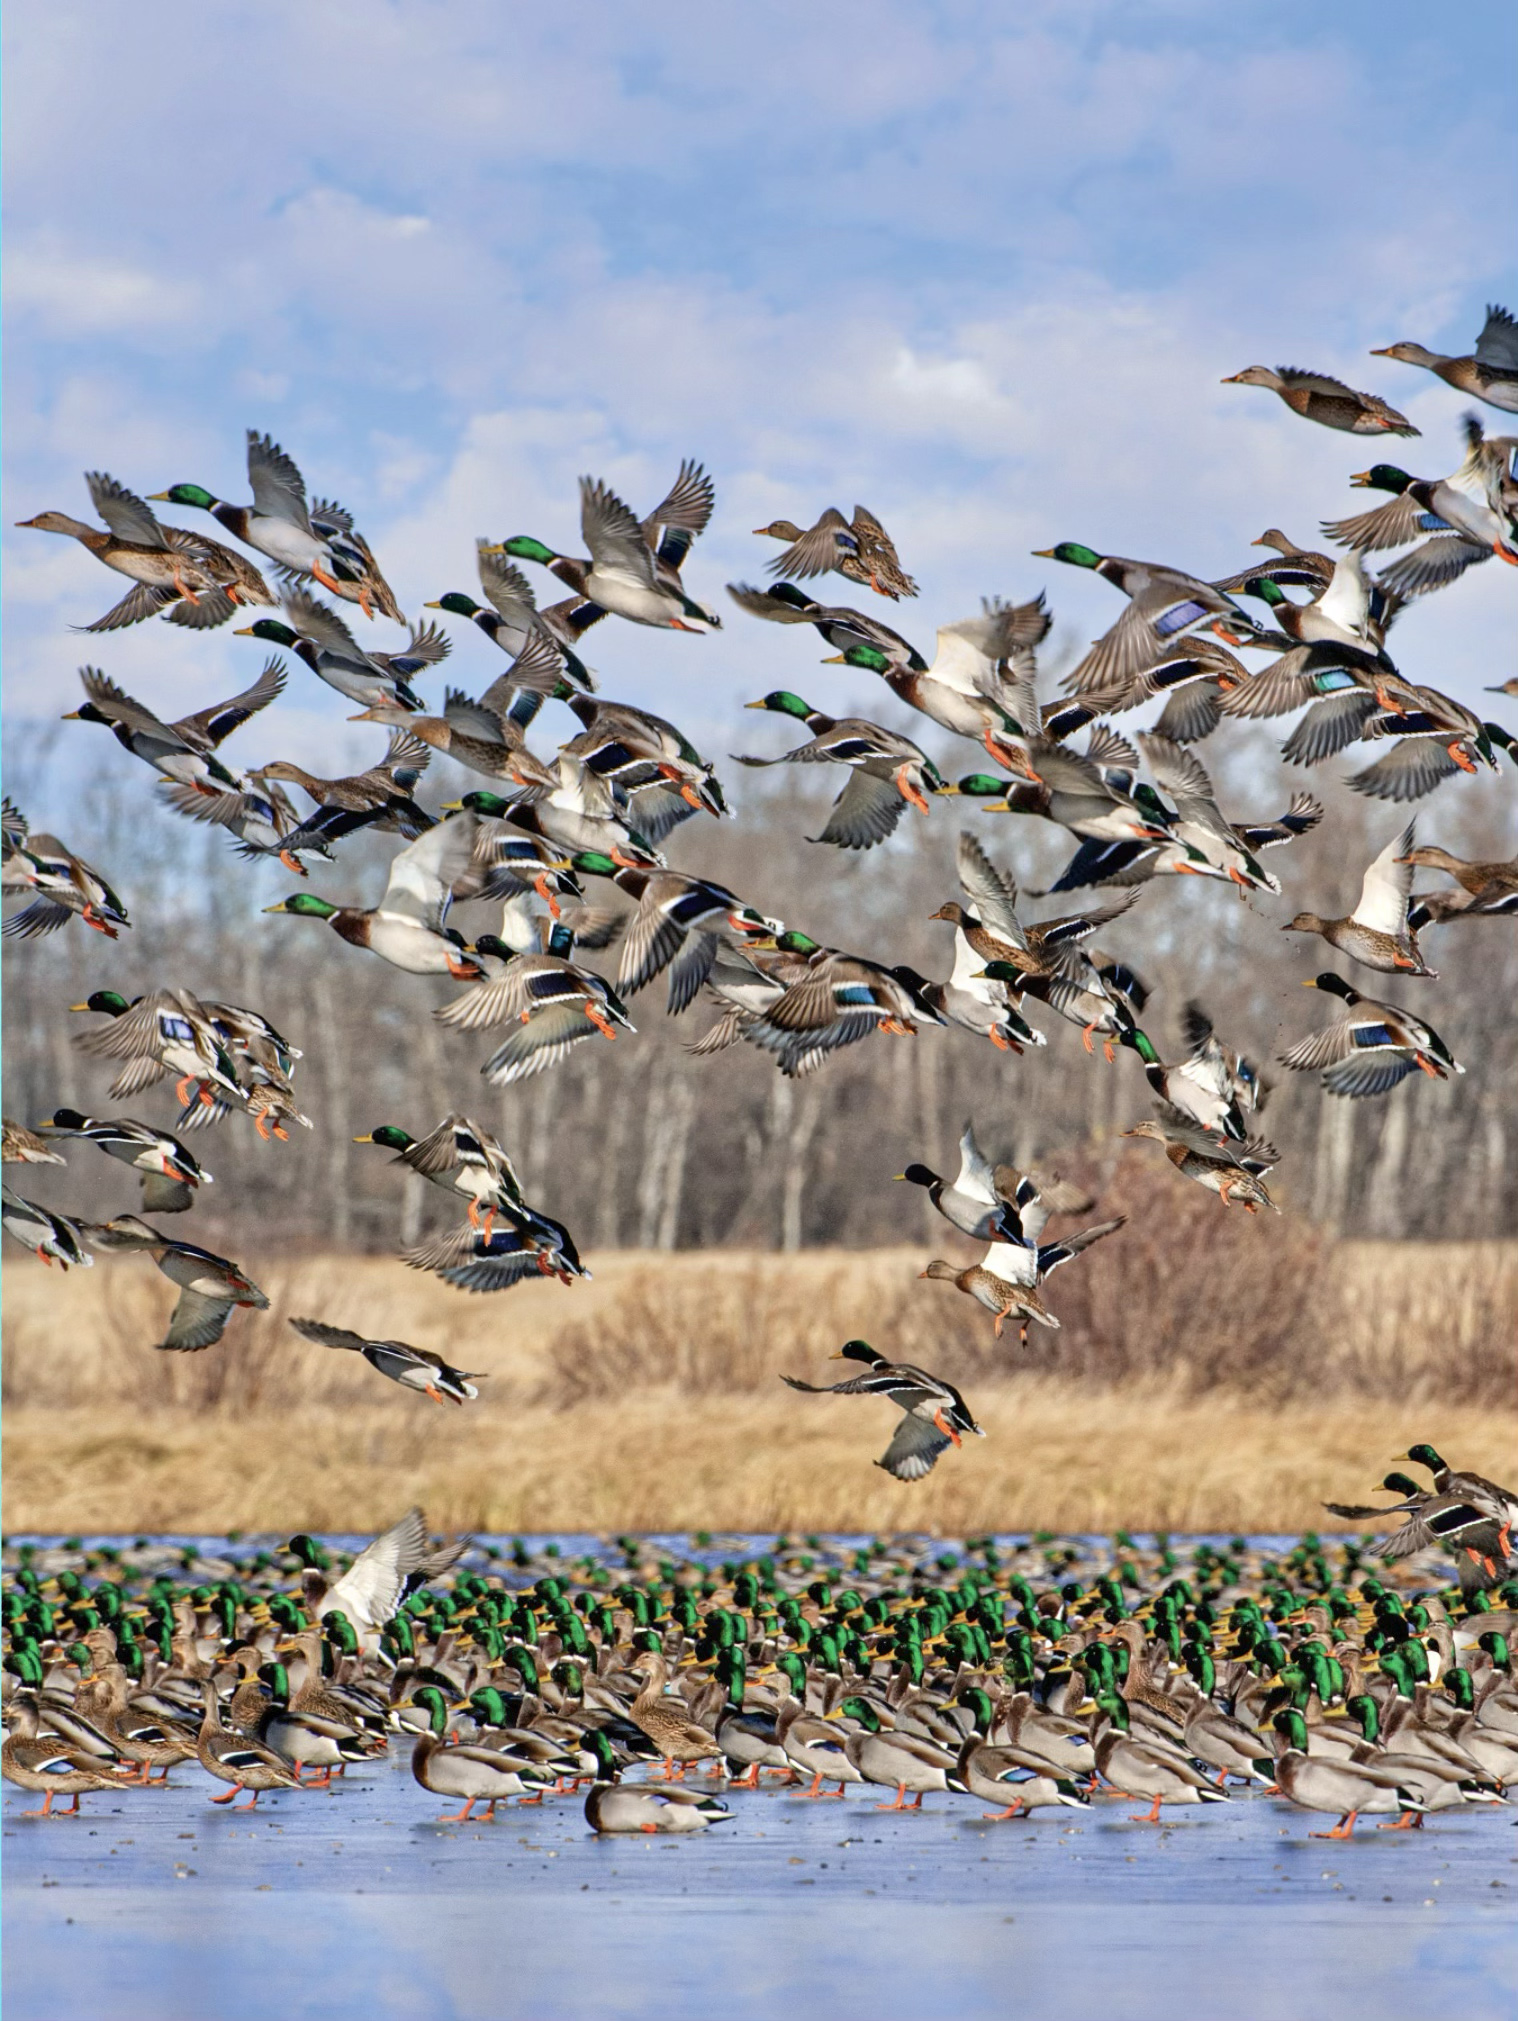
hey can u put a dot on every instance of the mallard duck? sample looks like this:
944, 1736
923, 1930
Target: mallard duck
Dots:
1198, 819
412, 1367
184, 751
51, 1236
1017, 1259
470, 733
306, 1738
369, 1592
319, 638
828, 1000
1020, 1780
1371, 1047
1164, 604
260, 815
634, 566
1346, 1787
460, 1157
1092, 793
1490, 372
148, 1740
1498, 1502
980, 677
169, 1172
1327, 401
846, 629
996, 1282
1484, 888
168, 1031
488, 1258
1469, 1524
1472, 503
981, 1200
612, 1806
21, 1146
63, 885
862, 551
408, 927
169, 564
893, 1759
1198, 1087
934, 1414
36, 1760
232, 1757
555, 1002
664, 1720
316, 540
1232, 1171
513, 620
1377, 934
679, 924
1146, 1768
890, 772
210, 1287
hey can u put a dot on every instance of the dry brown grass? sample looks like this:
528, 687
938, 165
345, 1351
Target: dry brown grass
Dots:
648, 1398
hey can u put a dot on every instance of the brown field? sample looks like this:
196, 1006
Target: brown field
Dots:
648, 1399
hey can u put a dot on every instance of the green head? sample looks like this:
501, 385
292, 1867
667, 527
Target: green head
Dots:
105, 1002
1292, 1728
277, 1678
594, 863
521, 1661
186, 494
871, 658
390, 1135
491, 805
461, 606
1072, 552
981, 786
1496, 1646
1363, 1708
305, 905
1267, 589
1115, 1707
524, 548
980, 1705
340, 1632
309, 1552
781, 702
1383, 477
1425, 1456
794, 1667
862, 1713
435, 1705
273, 631
597, 1743
1461, 1687
490, 1706
1141, 1044
1003, 971
796, 943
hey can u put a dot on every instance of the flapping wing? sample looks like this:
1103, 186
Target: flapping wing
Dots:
613, 534
991, 892
198, 1321
1394, 524
1413, 767
1329, 726
211, 726
865, 812
329, 1336
423, 874
143, 600
278, 487
914, 1449
322, 625
1386, 887
818, 549
123, 511
370, 1590
1369, 1074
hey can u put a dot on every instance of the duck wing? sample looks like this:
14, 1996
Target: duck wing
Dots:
279, 490
198, 1321
992, 892
613, 534
208, 727
128, 516
372, 1587
1386, 888
914, 1449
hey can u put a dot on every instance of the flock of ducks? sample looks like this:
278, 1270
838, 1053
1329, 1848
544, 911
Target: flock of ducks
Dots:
1026, 1675
1013, 1684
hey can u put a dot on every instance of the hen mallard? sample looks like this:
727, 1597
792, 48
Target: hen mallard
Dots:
200, 579
665, 1719
860, 550
1490, 372
934, 1414
1327, 401
1484, 888
42, 1762
1232, 1171
1377, 933
1371, 1047
233, 1757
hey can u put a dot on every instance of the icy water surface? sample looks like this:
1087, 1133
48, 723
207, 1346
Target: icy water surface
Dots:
155, 1906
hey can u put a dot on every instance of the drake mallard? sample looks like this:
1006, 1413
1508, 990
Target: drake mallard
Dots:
513, 621
1471, 513
300, 539
1490, 371
554, 1002
813, 1000
844, 628
408, 928
1340, 1785
412, 1367
612, 1806
493, 1258
1327, 401
1235, 1172
321, 641
202, 580
170, 1174
168, 1031
210, 1287
1370, 1047
1164, 605
679, 924
184, 751
894, 1759
934, 1414
1017, 1778
63, 885
1377, 933
634, 566
860, 550
890, 772
460, 1157
1142, 1767
53, 1237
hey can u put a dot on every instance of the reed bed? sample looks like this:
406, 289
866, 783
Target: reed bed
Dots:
1210, 1372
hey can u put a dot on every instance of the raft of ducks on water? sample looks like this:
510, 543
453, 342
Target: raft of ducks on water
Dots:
1033, 1674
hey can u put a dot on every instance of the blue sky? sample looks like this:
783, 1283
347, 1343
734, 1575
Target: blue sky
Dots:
981, 267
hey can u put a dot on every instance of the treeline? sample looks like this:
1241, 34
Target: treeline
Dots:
636, 1144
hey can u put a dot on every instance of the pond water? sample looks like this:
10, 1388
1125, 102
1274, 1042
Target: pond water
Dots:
155, 1906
